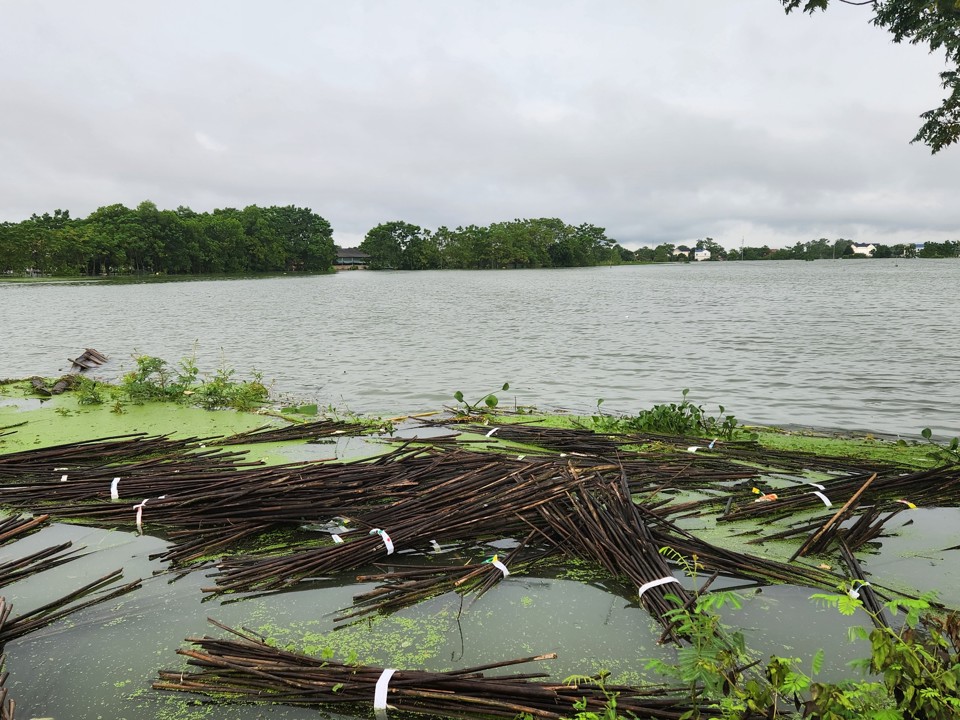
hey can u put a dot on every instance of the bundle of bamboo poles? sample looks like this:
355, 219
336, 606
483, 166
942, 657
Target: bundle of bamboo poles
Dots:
300, 431
250, 670
485, 498
13, 526
405, 585
602, 524
565, 440
934, 487
96, 452
7, 705
61, 607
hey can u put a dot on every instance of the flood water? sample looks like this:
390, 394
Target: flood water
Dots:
869, 345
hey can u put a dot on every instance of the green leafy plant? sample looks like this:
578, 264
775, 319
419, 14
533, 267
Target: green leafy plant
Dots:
153, 379
948, 454
89, 392
710, 661
584, 712
487, 403
919, 662
683, 418
603, 422
918, 665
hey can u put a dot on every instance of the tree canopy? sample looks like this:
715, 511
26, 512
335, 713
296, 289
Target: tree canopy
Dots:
117, 239
528, 243
935, 23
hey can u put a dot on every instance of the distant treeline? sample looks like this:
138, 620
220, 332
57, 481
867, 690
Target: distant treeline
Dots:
118, 239
538, 243
822, 249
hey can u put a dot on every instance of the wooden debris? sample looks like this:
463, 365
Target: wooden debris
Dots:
88, 360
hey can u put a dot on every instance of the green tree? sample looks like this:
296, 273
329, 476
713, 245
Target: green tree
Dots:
934, 23
664, 252
14, 249
644, 254
945, 249
114, 231
717, 251
469, 247
222, 242
307, 237
756, 253
386, 243
819, 249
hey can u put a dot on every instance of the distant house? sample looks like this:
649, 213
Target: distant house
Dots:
701, 254
351, 257
681, 250
863, 249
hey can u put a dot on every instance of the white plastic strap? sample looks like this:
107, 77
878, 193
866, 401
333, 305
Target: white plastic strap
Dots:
386, 539
693, 448
380, 693
336, 538
139, 509
115, 489
63, 478
826, 500
500, 566
657, 583
490, 434
818, 486
853, 592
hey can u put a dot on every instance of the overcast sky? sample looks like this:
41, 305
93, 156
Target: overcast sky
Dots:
662, 121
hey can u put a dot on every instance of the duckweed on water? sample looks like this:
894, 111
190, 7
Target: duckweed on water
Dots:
393, 640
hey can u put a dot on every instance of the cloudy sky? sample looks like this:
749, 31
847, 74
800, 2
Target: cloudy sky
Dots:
662, 121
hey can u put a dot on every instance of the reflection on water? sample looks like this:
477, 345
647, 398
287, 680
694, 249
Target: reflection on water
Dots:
868, 345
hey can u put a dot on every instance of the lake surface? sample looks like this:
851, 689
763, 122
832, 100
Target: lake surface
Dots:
869, 345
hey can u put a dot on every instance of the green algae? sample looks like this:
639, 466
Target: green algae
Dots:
387, 640
62, 419
860, 447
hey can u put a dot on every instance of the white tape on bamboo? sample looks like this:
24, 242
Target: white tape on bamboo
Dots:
491, 433
495, 561
854, 591
380, 693
139, 509
657, 583
388, 543
826, 500
115, 489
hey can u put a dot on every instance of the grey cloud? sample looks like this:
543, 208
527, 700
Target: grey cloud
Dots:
655, 122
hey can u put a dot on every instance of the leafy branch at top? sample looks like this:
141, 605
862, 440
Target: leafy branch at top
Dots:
935, 23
